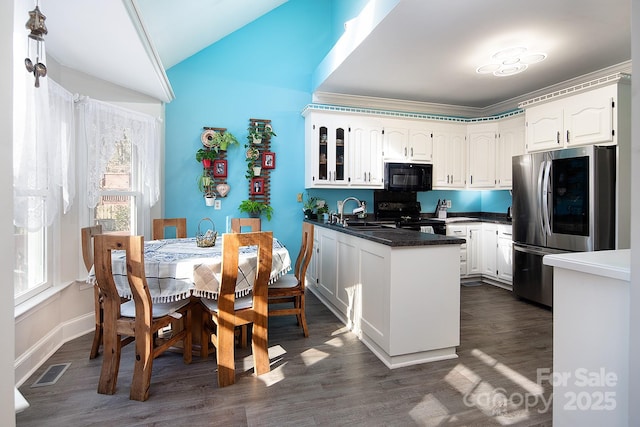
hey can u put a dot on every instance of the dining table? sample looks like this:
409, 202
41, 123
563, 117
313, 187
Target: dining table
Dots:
178, 269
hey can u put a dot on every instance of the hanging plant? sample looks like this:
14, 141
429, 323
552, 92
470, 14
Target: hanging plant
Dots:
252, 154
258, 132
206, 156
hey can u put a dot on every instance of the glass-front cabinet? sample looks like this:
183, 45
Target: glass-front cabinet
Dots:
326, 151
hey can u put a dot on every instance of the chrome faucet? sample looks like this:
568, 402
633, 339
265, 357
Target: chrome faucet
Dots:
361, 210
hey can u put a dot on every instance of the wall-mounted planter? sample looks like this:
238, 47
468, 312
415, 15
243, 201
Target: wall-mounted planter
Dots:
209, 201
257, 170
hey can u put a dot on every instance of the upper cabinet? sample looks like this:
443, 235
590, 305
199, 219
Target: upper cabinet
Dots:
584, 118
449, 157
342, 151
326, 151
510, 142
365, 145
482, 155
407, 142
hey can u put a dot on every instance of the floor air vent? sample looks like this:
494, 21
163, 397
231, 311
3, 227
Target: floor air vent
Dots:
51, 375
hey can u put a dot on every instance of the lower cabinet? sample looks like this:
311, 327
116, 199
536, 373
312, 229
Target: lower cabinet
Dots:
474, 249
383, 294
487, 253
504, 260
470, 252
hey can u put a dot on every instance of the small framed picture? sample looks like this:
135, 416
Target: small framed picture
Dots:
257, 186
219, 168
268, 160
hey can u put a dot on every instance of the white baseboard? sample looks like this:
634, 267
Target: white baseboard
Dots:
28, 362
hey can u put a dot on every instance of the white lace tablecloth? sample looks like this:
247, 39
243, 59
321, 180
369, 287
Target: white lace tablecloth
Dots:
178, 268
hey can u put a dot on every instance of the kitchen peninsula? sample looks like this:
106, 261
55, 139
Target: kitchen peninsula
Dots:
398, 290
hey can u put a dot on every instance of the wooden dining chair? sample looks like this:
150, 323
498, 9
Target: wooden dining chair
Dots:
221, 316
237, 224
139, 318
289, 289
86, 235
160, 224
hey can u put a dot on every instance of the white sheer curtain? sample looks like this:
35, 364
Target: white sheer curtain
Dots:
100, 126
44, 154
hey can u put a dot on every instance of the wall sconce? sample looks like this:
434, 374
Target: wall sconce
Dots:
35, 43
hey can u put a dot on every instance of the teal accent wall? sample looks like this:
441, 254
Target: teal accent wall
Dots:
461, 200
264, 70
261, 71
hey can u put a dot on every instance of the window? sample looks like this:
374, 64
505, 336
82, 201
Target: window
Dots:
43, 148
119, 193
30, 265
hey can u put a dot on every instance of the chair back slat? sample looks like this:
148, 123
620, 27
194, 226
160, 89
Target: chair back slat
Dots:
237, 224
159, 225
306, 252
86, 234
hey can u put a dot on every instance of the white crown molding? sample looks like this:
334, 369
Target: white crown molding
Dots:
458, 110
152, 53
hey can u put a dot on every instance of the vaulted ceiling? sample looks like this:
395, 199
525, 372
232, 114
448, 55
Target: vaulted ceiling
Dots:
421, 50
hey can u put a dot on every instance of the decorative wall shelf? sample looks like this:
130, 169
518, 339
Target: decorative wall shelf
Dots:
260, 185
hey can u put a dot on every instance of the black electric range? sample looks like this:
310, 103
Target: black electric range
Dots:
403, 208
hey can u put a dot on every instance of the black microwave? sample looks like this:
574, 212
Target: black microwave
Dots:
407, 176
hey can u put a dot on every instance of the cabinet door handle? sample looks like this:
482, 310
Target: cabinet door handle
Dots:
567, 135
411, 151
558, 137
405, 151
447, 179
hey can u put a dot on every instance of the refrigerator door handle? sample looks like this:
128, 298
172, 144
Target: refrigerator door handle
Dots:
540, 196
545, 197
529, 249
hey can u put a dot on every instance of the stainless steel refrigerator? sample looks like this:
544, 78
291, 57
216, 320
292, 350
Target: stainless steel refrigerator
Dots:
563, 201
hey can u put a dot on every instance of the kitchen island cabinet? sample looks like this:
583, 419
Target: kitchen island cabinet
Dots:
397, 290
591, 338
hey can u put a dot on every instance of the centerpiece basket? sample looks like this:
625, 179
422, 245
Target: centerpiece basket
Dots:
208, 238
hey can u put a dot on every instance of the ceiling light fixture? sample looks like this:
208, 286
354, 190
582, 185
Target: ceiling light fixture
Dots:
510, 61
35, 44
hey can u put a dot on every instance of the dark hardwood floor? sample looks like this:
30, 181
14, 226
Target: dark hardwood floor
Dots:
328, 379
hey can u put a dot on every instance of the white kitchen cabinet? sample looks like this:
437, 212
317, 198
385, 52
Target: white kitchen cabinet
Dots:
474, 249
504, 257
482, 156
326, 153
510, 142
420, 148
584, 118
471, 251
461, 232
365, 145
407, 142
449, 157
497, 246
489, 249
327, 264
379, 291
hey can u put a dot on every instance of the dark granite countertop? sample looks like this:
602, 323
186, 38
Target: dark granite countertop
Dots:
396, 237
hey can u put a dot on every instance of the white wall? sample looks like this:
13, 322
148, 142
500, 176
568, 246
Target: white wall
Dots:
67, 312
634, 329
7, 417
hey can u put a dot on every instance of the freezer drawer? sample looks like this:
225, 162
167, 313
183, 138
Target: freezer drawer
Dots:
532, 279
